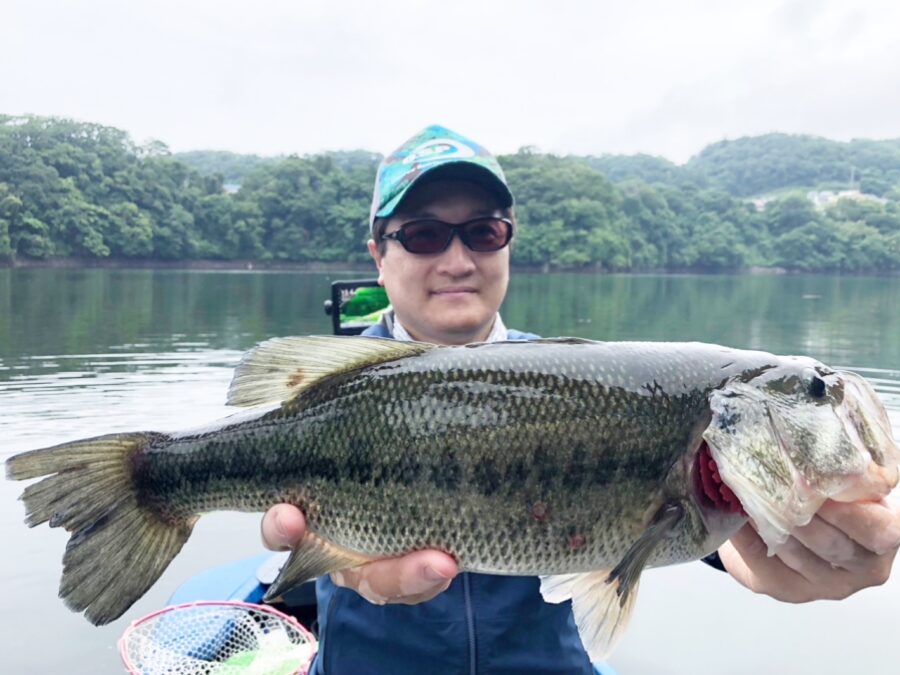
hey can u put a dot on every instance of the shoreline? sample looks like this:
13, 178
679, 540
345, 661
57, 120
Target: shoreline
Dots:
315, 266
225, 265
367, 266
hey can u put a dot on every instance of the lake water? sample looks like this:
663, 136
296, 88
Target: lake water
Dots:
85, 352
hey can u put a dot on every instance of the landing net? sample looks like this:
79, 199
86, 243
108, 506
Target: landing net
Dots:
217, 638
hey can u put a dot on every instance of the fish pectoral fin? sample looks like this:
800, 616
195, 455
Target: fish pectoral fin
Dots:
602, 601
601, 604
313, 557
278, 369
560, 587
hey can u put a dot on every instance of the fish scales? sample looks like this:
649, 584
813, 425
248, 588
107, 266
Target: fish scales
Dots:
563, 457
456, 450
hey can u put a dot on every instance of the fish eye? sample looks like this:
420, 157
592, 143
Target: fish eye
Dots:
816, 387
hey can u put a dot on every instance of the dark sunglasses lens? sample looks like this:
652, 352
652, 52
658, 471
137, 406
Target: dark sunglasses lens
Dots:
426, 236
487, 234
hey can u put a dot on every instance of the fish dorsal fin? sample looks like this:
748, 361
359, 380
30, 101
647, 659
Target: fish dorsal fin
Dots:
313, 557
602, 601
278, 369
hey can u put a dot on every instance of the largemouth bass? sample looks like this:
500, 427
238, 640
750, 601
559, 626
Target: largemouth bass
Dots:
580, 461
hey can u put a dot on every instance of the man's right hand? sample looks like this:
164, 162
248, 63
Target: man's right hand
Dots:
409, 579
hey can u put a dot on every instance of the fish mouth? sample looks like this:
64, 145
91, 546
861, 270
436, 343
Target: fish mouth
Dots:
783, 455
869, 430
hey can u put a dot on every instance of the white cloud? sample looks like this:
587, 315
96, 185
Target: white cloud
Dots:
572, 76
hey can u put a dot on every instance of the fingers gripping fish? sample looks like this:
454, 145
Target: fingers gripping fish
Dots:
580, 461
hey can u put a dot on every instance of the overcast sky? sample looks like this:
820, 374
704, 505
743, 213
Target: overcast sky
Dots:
567, 76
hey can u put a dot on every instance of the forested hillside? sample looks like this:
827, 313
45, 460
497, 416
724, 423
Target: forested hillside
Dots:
234, 167
70, 189
231, 166
752, 166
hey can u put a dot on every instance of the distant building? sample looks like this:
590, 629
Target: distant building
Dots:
823, 199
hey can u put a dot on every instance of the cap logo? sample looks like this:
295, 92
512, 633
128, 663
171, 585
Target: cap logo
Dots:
438, 150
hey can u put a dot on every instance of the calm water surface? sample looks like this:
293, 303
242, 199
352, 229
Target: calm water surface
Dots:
84, 352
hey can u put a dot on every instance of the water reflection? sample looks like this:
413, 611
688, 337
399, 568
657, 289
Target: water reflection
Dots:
85, 352
836, 319
54, 398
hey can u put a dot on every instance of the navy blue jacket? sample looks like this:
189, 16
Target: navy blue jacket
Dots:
483, 624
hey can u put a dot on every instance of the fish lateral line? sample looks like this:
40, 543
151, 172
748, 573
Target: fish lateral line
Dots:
351, 438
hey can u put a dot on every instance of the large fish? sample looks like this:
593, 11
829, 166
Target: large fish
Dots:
585, 461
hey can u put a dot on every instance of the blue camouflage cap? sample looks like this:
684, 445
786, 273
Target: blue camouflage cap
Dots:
432, 149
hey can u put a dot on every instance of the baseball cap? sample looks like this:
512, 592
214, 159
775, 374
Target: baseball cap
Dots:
434, 151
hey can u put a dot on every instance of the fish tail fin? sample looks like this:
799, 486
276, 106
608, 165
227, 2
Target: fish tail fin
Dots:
118, 547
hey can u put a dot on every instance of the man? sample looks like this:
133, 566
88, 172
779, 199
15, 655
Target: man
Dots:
441, 224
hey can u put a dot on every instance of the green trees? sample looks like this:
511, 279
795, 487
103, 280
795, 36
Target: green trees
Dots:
74, 189
69, 189
309, 209
789, 213
569, 214
231, 166
835, 242
753, 166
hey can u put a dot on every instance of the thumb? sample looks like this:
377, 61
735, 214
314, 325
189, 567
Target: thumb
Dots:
283, 527
409, 579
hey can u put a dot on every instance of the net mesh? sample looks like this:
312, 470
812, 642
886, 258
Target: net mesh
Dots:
218, 638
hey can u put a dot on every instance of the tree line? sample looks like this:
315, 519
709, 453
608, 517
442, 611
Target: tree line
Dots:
72, 189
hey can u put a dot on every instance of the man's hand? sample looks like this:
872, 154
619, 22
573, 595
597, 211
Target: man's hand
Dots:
408, 580
845, 548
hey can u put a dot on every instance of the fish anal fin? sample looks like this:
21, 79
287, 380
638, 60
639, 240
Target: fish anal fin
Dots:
602, 601
313, 557
279, 369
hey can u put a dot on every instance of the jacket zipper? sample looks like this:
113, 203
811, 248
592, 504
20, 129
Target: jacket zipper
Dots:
470, 620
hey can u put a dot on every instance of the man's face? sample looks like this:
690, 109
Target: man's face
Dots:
449, 297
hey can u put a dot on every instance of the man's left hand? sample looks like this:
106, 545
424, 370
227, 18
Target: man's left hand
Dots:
845, 548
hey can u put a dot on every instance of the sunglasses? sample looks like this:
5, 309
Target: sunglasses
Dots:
426, 236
